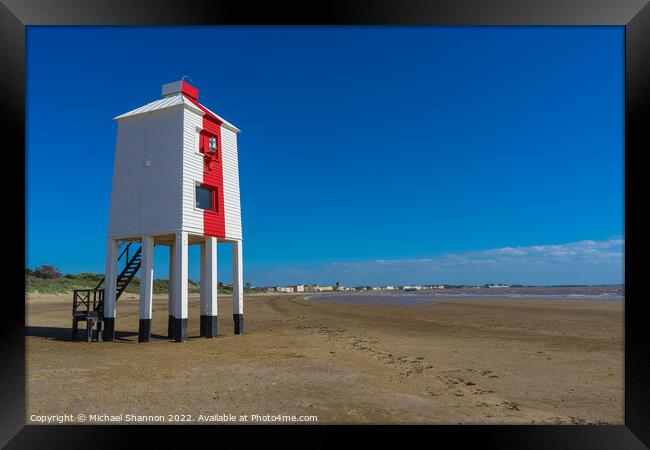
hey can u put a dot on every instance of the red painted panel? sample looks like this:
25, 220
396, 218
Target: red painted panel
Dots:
214, 222
189, 90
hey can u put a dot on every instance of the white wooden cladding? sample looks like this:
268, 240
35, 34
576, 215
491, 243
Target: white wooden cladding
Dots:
156, 169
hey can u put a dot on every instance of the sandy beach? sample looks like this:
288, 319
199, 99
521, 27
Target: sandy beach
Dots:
453, 361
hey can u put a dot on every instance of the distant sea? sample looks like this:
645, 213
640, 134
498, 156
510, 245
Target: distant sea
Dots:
586, 293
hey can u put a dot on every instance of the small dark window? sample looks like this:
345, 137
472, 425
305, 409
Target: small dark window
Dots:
205, 197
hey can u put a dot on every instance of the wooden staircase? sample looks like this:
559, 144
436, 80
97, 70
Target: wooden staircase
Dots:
88, 304
128, 273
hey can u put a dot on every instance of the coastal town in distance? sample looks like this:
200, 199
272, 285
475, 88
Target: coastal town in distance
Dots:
339, 287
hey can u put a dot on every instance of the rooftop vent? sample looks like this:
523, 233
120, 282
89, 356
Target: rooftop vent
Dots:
178, 87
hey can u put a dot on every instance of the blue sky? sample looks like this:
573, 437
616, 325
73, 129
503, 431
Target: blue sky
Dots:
367, 154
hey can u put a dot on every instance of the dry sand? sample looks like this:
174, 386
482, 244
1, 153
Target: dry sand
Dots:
460, 361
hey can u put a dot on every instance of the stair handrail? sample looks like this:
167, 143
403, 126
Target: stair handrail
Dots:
126, 249
129, 264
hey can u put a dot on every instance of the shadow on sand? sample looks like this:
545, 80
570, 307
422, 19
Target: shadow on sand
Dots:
65, 334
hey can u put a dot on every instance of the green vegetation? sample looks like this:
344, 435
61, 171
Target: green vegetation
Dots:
44, 271
47, 279
62, 284
88, 280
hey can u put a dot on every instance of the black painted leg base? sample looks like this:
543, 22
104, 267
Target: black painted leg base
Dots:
109, 329
179, 329
75, 329
239, 323
144, 332
98, 332
170, 326
208, 326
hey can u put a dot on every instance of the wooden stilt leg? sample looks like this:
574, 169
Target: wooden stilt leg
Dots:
89, 329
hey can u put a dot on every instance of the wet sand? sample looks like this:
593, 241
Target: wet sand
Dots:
454, 361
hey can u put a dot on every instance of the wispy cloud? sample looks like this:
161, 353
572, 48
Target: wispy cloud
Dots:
581, 262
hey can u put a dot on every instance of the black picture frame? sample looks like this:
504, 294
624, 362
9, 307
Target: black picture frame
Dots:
634, 15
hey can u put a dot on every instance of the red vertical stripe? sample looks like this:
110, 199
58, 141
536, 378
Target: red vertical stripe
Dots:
214, 222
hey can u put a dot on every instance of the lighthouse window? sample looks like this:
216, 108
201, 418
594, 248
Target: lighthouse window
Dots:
205, 197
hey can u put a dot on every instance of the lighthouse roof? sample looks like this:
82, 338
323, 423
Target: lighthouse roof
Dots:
185, 95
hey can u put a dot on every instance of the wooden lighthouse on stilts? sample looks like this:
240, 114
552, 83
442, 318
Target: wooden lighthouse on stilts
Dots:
175, 183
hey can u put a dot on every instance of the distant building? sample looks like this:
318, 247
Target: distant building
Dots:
316, 288
412, 288
298, 288
340, 287
284, 289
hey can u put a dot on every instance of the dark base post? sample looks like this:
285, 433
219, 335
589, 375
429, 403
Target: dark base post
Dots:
239, 323
208, 326
179, 329
170, 327
144, 331
99, 331
75, 329
89, 329
109, 329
